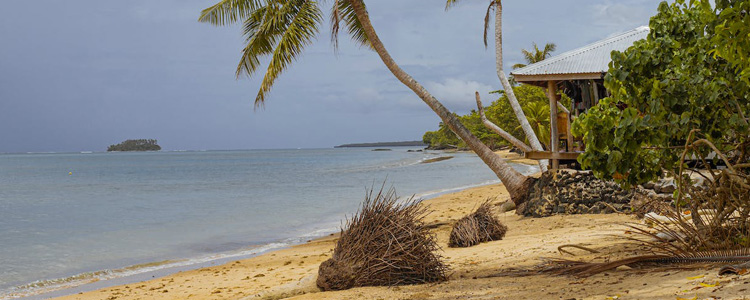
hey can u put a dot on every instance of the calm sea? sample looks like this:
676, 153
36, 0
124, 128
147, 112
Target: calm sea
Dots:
69, 218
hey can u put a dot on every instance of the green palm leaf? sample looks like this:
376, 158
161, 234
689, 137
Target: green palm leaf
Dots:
537, 54
539, 118
343, 11
279, 29
548, 49
529, 56
261, 38
298, 33
229, 11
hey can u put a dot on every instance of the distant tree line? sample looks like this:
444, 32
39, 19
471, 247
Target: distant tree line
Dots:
136, 145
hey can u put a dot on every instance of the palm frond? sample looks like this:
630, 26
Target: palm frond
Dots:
230, 11
528, 56
518, 66
548, 49
298, 33
261, 37
538, 55
343, 11
584, 269
487, 21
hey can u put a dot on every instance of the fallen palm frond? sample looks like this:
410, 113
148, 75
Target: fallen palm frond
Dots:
478, 227
710, 222
385, 244
584, 269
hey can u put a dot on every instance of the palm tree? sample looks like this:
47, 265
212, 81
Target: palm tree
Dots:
537, 55
538, 115
497, 5
281, 29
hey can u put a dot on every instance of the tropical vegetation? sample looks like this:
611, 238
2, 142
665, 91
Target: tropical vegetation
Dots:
679, 106
534, 103
687, 81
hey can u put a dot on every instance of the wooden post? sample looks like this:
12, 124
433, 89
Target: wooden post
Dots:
596, 93
570, 134
555, 137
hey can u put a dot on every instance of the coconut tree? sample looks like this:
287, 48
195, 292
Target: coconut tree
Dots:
536, 55
497, 6
538, 115
281, 29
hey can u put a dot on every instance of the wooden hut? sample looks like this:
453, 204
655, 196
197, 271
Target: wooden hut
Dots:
580, 75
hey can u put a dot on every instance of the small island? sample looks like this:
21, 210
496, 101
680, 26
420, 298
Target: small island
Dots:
136, 145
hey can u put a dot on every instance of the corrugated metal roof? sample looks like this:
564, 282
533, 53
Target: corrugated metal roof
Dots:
593, 58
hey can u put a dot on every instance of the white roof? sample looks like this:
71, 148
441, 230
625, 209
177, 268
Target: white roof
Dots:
593, 58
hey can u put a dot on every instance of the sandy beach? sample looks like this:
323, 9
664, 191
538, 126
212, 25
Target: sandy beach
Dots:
495, 270
214, 150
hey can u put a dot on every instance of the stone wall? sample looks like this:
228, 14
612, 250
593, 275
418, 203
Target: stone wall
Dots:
575, 192
579, 192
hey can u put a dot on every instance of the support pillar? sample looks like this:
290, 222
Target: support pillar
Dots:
555, 136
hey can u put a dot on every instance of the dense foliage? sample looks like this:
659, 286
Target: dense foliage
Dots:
732, 35
534, 103
136, 145
685, 77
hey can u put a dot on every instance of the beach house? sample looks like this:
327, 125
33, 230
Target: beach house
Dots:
578, 74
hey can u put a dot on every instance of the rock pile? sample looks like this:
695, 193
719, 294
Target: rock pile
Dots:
575, 192
579, 192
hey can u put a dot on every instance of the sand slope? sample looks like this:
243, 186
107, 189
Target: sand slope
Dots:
479, 272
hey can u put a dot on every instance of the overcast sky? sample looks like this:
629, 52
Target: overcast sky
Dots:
81, 75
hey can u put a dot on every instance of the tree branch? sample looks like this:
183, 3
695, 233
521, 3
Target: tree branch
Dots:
504, 134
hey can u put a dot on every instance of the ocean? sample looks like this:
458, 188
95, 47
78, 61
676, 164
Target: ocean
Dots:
71, 218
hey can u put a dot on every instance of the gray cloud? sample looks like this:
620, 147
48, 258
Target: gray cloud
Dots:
80, 75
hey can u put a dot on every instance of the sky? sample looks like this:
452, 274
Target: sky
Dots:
81, 75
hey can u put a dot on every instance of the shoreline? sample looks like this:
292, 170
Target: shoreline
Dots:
486, 271
92, 289
97, 280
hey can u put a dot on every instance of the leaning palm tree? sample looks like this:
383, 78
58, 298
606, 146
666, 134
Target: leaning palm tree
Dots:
497, 5
536, 55
281, 29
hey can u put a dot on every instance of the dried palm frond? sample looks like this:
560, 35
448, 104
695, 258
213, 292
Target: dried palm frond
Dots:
385, 244
478, 227
583, 269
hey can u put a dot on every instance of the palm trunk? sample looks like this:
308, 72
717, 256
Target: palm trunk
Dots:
502, 133
530, 134
516, 183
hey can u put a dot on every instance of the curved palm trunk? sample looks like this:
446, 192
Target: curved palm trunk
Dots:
502, 133
530, 135
516, 183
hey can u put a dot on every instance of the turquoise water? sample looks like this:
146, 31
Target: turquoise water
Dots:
73, 216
